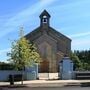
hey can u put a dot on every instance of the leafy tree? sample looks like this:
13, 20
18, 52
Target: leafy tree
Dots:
6, 66
23, 53
76, 61
84, 57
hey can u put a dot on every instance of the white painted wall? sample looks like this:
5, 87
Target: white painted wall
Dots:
4, 74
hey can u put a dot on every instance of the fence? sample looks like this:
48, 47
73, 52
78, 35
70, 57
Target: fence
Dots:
82, 75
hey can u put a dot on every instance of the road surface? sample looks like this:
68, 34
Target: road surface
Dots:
46, 88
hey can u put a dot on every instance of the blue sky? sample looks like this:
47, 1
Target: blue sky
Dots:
70, 17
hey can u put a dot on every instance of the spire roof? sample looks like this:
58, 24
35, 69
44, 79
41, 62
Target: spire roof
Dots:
44, 13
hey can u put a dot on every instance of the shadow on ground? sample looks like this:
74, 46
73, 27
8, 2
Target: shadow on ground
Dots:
12, 86
84, 84
87, 84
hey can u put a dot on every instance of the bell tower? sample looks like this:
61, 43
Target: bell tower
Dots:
44, 19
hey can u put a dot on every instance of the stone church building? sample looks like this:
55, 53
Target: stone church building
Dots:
51, 44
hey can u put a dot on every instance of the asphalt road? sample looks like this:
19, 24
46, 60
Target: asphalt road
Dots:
46, 88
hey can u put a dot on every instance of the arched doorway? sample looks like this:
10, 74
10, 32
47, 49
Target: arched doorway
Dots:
44, 66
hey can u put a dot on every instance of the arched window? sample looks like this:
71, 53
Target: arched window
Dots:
44, 19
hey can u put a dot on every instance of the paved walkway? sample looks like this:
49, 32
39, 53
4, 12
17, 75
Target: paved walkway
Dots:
48, 83
43, 76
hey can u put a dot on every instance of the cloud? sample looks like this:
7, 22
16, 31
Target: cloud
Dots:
80, 44
21, 17
4, 51
72, 3
80, 34
80, 41
3, 54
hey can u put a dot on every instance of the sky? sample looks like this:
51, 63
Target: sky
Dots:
69, 17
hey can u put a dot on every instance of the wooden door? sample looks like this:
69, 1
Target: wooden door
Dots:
44, 66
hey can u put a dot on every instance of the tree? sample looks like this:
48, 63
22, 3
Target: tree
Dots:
84, 57
23, 53
6, 66
76, 61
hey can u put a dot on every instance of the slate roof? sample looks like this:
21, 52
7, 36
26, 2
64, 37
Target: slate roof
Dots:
36, 33
45, 13
50, 31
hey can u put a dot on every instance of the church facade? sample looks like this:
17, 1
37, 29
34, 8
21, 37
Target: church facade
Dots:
51, 44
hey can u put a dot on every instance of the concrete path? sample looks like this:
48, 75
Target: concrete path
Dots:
43, 76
